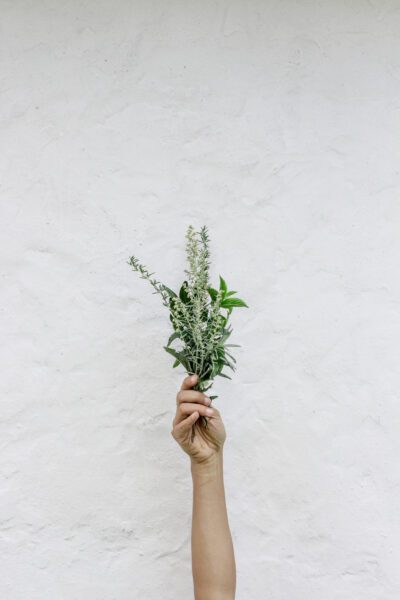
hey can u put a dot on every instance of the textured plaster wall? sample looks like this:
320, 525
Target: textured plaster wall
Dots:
277, 124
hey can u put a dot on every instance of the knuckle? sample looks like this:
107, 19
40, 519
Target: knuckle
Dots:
197, 396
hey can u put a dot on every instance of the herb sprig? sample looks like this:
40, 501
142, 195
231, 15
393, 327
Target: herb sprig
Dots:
199, 315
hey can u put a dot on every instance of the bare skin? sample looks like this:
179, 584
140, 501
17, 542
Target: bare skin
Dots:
213, 560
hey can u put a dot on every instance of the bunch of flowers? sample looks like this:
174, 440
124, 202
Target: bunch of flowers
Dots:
199, 315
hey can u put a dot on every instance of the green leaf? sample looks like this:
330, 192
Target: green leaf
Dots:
224, 337
216, 368
222, 285
170, 292
225, 333
226, 362
213, 293
223, 375
232, 303
213, 397
229, 294
174, 353
183, 295
177, 355
172, 337
224, 322
176, 363
231, 357
232, 346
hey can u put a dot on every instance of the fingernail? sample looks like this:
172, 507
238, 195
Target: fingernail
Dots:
209, 411
207, 400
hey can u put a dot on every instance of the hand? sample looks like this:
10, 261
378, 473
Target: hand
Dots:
201, 443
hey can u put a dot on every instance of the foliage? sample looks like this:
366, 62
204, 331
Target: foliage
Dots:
199, 314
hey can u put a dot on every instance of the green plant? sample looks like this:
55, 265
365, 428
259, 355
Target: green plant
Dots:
199, 315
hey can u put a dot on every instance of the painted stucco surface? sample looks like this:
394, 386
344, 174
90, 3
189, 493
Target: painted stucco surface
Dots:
277, 125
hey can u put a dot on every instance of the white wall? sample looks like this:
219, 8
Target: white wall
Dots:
277, 125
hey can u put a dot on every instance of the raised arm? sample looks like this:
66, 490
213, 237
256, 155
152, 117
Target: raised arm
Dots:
213, 560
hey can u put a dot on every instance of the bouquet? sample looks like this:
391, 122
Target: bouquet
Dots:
199, 314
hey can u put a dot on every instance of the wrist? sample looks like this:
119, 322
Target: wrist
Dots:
208, 467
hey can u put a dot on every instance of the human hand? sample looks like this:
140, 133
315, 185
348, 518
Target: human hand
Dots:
201, 443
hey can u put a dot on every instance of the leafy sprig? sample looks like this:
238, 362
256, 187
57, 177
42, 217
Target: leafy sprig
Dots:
199, 315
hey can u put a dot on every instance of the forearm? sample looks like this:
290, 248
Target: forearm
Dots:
213, 561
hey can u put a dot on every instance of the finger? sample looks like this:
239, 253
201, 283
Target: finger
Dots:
186, 409
192, 396
186, 425
189, 382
